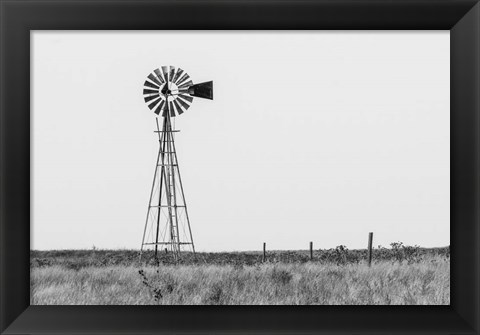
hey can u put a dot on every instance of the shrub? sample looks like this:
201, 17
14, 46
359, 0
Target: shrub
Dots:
215, 294
281, 276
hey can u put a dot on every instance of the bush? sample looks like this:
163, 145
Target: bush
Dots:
281, 276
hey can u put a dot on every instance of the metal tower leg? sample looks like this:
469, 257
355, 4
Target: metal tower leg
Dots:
161, 138
173, 194
183, 196
160, 155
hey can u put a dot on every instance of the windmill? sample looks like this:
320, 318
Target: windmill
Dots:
168, 93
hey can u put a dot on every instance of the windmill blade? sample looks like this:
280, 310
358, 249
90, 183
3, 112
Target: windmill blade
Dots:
177, 75
151, 85
165, 111
146, 91
159, 76
150, 97
172, 72
154, 102
184, 77
159, 107
172, 110
177, 106
183, 103
202, 90
165, 72
154, 79
187, 84
186, 97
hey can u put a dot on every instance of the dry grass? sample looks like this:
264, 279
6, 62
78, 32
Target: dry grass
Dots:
385, 283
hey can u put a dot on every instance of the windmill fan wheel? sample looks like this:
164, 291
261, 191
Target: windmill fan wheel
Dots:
170, 91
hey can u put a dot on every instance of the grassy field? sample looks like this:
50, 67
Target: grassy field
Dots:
335, 277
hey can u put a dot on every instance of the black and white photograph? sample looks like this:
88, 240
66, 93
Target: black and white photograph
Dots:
240, 167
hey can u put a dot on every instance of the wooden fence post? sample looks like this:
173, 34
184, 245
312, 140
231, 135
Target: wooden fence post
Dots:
370, 240
311, 251
264, 251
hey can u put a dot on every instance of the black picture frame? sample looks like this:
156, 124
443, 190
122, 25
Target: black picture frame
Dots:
18, 18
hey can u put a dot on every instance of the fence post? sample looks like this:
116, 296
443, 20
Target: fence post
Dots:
370, 240
311, 251
264, 251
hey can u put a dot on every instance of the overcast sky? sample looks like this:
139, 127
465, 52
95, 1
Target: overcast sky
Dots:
312, 136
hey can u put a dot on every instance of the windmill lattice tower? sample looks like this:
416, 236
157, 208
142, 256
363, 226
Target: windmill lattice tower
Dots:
169, 92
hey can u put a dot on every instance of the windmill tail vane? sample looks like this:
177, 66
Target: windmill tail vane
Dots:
169, 92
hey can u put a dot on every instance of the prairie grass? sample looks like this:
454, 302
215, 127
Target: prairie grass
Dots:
384, 283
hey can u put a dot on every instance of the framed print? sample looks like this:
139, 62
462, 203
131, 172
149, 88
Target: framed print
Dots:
257, 155
247, 202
